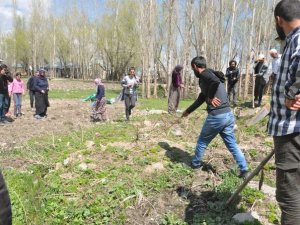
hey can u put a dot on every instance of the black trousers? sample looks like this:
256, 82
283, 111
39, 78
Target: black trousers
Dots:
32, 96
41, 103
259, 87
287, 160
5, 205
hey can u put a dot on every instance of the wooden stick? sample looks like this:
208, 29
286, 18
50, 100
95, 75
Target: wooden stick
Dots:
250, 177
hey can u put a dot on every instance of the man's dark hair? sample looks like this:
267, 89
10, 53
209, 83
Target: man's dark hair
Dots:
232, 61
199, 61
288, 10
131, 68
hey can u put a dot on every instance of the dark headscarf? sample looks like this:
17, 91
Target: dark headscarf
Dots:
176, 76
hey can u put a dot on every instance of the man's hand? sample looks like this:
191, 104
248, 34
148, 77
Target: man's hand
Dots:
214, 101
185, 114
293, 104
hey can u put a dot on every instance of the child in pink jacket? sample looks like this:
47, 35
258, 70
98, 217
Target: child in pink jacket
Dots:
17, 90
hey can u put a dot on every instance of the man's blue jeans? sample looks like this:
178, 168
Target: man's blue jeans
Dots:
222, 124
3, 105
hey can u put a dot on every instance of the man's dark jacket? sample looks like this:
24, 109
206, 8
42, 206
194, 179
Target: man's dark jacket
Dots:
211, 86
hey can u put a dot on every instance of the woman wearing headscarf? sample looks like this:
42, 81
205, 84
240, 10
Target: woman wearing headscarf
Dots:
176, 85
99, 109
41, 87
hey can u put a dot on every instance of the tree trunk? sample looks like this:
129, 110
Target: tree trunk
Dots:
231, 32
248, 66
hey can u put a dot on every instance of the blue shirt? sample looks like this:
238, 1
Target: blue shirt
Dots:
284, 121
100, 92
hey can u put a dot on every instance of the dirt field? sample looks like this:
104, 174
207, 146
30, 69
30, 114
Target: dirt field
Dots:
63, 116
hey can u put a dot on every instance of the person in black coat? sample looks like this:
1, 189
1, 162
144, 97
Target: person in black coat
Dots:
30, 88
232, 75
41, 87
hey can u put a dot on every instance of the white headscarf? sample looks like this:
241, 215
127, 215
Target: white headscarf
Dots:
98, 81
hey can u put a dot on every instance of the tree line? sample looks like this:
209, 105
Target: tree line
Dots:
154, 36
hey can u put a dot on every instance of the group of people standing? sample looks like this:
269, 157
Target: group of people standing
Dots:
261, 73
262, 80
14, 89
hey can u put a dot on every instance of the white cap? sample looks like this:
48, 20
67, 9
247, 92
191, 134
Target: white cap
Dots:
273, 50
261, 56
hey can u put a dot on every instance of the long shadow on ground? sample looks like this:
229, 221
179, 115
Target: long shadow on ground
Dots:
177, 155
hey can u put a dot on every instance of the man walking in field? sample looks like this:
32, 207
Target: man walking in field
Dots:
284, 121
220, 119
130, 84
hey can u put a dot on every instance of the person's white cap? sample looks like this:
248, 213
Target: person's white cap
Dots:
273, 50
261, 56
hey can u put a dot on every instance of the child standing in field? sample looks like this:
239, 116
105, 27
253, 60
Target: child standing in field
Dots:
17, 90
99, 108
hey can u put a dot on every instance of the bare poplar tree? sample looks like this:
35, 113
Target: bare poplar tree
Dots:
186, 78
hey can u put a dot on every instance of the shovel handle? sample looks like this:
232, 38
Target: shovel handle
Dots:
250, 177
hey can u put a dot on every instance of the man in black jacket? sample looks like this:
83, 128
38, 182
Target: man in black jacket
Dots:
30, 88
4, 97
232, 75
220, 119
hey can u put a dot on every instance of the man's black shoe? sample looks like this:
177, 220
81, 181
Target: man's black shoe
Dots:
195, 166
244, 174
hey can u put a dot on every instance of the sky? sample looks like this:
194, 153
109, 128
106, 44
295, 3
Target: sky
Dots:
55, 6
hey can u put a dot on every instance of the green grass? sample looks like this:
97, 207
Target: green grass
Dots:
41, 193
162, 104
79, 94
42, 196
